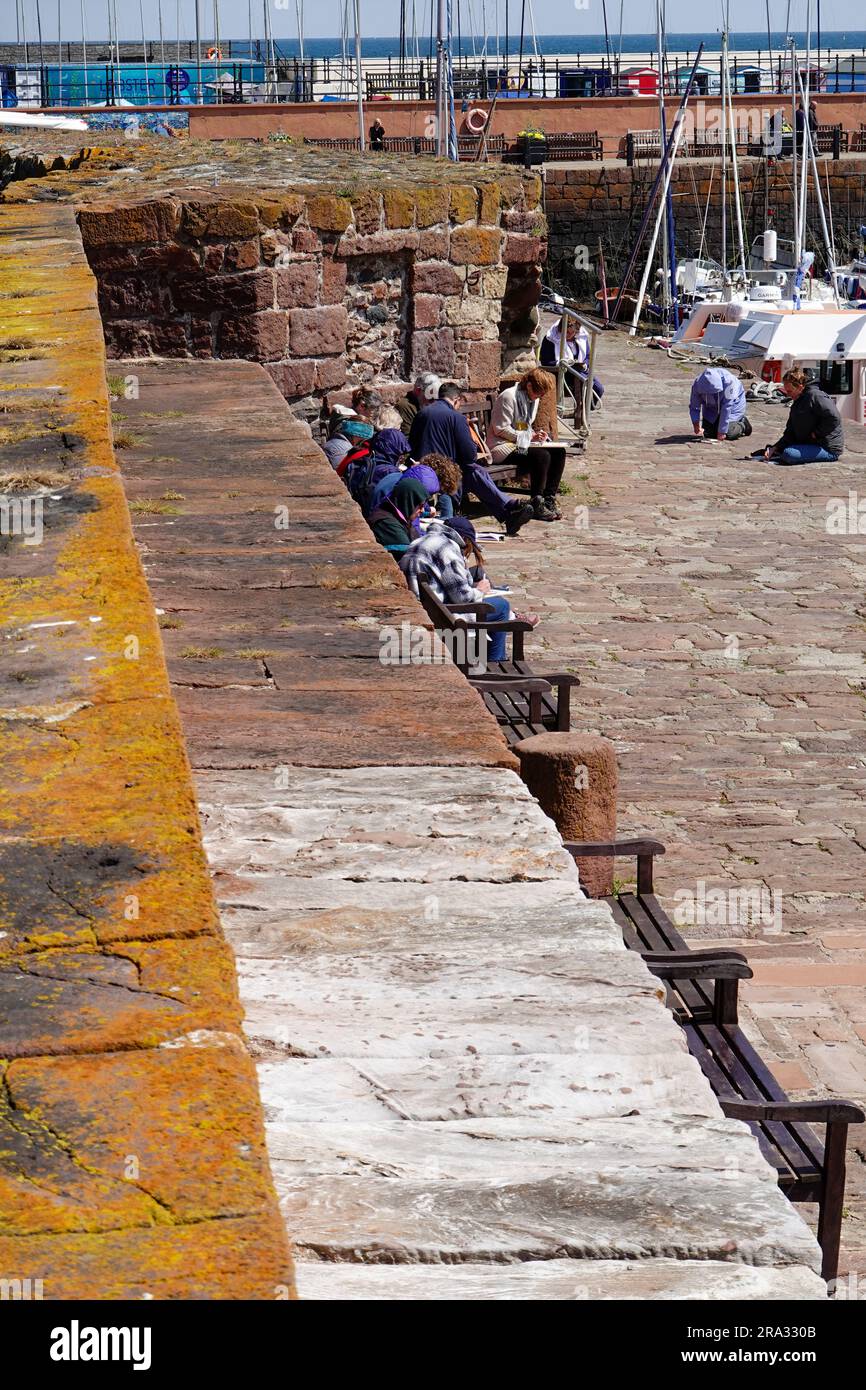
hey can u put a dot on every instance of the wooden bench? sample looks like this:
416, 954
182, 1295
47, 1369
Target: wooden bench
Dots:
469, 147
329, 142
645, 143
581, 144
858, 140
702, 991
409, 144
826, 135
521, 700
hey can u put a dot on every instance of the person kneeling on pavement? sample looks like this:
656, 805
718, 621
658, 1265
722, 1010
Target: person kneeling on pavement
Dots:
814, 431
717, 406
441, 558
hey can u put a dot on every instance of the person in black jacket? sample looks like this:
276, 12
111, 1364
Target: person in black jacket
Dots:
813, 433
377, 135
440, 428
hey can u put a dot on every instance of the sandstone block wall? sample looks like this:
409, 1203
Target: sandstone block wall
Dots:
325, 289
596, 201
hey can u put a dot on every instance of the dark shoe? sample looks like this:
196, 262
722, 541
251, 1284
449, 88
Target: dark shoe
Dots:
518, 516
747, 426
554, 514
537, 504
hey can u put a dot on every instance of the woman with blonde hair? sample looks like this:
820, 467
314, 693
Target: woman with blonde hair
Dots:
512, 432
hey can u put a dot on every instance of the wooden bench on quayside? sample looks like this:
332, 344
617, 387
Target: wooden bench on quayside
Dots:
521, 700
580, 144
702, 991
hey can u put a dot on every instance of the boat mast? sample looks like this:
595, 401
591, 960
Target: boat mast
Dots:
793, 48
809, 147
667, 164
724, 163
440, 80
804, 163
144, 51
161, 51
198, 51
734, 162
84, 54
358, 76
662, 144
299, 14
59, 60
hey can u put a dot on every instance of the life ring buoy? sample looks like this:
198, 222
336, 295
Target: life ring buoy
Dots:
214, 53
476, 120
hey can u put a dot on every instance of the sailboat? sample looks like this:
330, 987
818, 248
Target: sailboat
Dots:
770, 314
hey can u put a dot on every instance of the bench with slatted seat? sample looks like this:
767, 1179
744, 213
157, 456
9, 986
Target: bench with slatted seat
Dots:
826, 137
523, 702
702, 989
577, 144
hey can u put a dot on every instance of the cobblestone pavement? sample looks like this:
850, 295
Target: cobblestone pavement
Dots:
717, 627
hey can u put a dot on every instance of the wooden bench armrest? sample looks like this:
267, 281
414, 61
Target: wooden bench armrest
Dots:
794, 1111
643, 849
698, 965
509, 625
726, 968
525, 683
559, 677
478, 608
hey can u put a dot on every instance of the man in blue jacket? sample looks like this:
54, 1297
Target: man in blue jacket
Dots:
718, 405
441, 429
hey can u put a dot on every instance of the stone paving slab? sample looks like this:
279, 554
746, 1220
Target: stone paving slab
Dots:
747, 758
532, 1280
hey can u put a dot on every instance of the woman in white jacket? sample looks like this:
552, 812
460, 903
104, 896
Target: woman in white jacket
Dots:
512, 429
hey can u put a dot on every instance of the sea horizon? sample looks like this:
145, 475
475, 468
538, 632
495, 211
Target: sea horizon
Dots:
591, 45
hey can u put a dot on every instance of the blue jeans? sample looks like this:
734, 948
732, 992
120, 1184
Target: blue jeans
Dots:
806, 453
445, 506
497, 640
479, 482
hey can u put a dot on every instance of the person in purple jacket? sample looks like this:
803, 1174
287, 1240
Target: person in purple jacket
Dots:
718, 405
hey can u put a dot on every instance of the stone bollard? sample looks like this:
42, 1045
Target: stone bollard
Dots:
573, 777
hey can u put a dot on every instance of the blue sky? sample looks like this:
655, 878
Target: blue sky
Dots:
380, 17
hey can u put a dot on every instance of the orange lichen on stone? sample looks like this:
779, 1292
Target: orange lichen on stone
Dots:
463, 204
329, 213
475, 246
399, 207
489, 203
431, 206
117, 994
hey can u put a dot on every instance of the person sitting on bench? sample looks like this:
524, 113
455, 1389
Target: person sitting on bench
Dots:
573, 350
440, 429
392, 522
441, 559
717, 405
424, 390
512, 433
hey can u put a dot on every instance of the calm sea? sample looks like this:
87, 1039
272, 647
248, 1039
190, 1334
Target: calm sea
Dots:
588, 44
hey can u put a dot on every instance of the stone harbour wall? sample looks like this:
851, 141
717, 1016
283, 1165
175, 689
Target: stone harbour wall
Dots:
325, 290
600, 201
